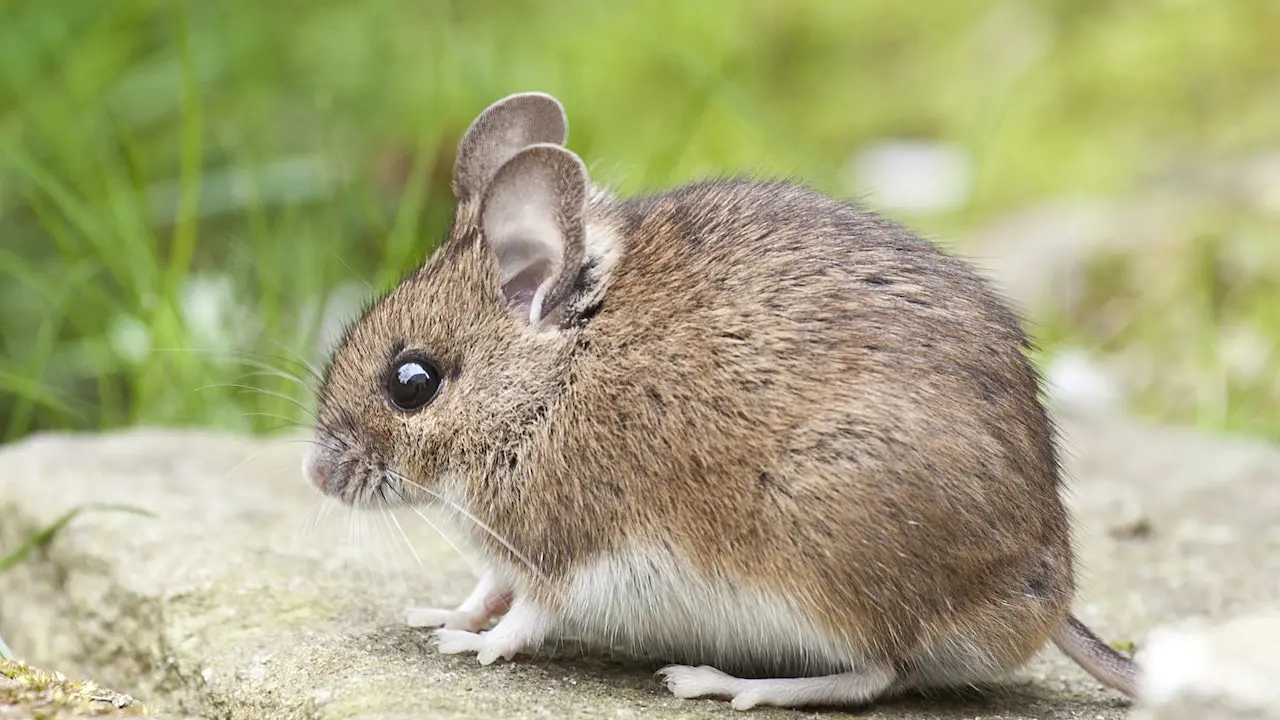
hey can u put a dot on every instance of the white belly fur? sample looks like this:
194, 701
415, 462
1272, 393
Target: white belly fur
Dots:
649, 602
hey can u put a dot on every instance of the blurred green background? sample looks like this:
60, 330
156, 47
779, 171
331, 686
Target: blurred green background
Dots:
191, 193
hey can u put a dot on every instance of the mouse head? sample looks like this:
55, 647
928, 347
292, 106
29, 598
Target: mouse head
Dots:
442, 379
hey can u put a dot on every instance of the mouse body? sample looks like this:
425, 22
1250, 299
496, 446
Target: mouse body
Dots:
753, 431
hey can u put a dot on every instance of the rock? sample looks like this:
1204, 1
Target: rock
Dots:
240, 598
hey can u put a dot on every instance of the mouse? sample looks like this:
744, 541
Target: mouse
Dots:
773, 440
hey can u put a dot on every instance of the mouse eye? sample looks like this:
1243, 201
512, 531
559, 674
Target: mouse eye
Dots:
413, 383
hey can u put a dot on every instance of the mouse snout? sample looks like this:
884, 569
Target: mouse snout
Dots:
311, 470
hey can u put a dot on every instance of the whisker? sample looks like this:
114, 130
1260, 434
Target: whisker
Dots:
471, 563
325, 510
243, 462
308, 524
313, 532
402, 582
409, 543
299, 361
250, 388
277, 374
277, 416
378, 568
359, 277
251, 358
312, 441
324, 430
246, 357
478, 523
327, 434
357, 521
351, 537
380, 557
475, 566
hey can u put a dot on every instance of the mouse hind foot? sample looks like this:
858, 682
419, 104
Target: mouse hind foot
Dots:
850, 688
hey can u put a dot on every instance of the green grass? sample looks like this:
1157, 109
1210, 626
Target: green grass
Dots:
183, 185
1191, 323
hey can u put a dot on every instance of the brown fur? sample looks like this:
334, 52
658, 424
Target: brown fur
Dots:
788, 390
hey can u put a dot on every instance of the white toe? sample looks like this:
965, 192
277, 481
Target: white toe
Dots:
453, 642
745, 700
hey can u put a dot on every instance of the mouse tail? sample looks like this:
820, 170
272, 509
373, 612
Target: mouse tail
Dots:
1108, 666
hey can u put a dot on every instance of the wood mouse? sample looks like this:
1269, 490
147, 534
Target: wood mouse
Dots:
743, 427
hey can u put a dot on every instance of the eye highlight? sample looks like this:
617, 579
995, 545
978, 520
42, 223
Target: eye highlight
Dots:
413, 382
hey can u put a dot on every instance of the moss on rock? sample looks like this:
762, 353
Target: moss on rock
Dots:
29, 692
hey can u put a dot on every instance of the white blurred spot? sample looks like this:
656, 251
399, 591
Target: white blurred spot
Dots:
1230, 667
208, 307
1172, 661
913, 175
130, 338
1246, 353
1076, 381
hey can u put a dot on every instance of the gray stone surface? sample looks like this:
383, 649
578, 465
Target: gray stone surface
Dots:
241, 598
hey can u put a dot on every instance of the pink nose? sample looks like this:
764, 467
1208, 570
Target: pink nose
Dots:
312, 472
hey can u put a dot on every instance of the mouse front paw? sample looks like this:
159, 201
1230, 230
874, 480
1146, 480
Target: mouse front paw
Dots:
487, 647
520, 630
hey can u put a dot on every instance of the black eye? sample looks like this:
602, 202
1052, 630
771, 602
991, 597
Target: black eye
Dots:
413, 383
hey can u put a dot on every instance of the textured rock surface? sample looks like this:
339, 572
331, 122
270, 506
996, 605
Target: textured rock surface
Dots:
242, 598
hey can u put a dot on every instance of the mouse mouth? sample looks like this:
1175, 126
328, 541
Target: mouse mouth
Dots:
342, 471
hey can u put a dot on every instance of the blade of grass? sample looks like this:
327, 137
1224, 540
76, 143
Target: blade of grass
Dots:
44, 346
55, 293
49, 532
37, 176
46, 535
33, 392
41, 350
400, 245
192, 160
125, 203
166, 322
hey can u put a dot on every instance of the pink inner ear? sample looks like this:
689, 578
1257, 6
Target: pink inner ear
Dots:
520, 290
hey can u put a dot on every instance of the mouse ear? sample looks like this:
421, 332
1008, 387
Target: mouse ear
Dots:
502, 130
533, 216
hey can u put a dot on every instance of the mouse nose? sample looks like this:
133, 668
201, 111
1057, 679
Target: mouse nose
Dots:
311, 471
